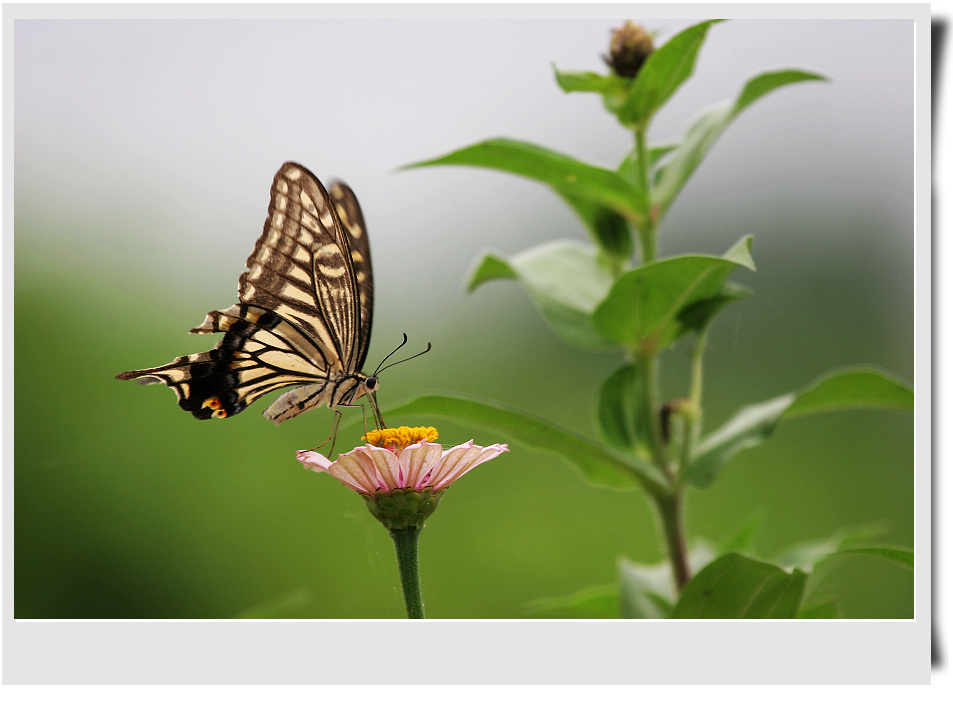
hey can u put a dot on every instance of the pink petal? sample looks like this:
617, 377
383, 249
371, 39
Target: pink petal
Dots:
314, 461
458, 461
367, 469
416, 463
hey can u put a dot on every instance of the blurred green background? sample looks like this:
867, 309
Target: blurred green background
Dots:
143, 156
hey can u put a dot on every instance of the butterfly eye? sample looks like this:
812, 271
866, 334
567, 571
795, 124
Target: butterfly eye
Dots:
370, 383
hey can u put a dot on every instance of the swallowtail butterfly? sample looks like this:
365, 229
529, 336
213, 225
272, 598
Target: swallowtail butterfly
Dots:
303, 318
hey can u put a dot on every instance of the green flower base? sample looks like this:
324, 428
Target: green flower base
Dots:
401, 509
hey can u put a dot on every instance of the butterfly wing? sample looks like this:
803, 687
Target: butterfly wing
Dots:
300, 321
349, 213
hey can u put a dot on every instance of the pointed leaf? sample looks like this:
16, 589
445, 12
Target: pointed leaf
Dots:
608, 229
901, 555
490, 267
749, 427
618, 412
702, 134
596, 464
602, 186
641, 311
599, 602
735, 586
591, 82
699, 315
852, 387
808, 554
842, 389
665, 69
629, 167
648, 591
565, 281
743, 539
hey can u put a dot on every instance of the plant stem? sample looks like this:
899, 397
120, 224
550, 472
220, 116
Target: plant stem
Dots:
648, 363
647, 230
694, 412
406, 543
670, 509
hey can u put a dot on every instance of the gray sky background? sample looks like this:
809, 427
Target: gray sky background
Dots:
156, 141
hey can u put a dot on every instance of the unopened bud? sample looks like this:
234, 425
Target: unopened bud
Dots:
630, 47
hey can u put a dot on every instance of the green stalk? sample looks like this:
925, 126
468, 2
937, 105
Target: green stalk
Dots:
693, 416
669, 503
673, 525
406, 543
648, 363
647, 230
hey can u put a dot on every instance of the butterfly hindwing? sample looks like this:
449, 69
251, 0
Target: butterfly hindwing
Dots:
304, 313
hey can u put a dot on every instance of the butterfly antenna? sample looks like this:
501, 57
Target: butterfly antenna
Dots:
382, 367
399, 347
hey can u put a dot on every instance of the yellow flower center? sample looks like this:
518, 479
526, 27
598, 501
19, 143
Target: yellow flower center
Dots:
399, 438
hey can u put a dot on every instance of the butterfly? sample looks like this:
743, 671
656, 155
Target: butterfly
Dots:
303, 317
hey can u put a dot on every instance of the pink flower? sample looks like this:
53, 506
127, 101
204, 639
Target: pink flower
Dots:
401, 459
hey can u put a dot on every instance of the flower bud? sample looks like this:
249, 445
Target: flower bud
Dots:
630, 47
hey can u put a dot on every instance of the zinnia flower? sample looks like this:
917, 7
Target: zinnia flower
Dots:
401, 472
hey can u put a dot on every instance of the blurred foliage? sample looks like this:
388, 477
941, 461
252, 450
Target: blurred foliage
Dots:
126, 507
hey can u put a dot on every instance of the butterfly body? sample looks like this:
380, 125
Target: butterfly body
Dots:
304, 315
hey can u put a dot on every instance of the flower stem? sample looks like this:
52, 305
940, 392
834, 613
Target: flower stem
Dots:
406, 543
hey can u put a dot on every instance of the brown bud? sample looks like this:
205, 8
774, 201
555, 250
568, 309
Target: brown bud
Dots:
631, 45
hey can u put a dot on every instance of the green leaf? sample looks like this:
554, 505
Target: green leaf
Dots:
808, 554
735, 586
823, 610
648, 591
629, 167
901, 555
849, 388
670, 178
641, 311
743, 538
842, 389
565, 281
618, 412
699, 315
490, 267
278, 607
665, 69
609, 230
591, 82
596, 464
564, 173
749, 427
598, 602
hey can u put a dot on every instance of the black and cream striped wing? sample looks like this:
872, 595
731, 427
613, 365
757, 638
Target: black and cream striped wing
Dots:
304, 312
302, 268
349, 213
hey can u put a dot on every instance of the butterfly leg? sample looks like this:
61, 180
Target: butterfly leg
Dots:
332, 437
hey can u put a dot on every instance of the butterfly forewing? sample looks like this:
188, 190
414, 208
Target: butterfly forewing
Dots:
304, 315
349, 213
